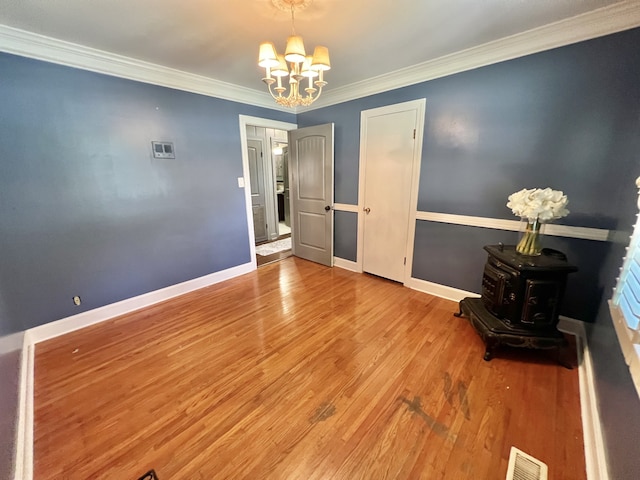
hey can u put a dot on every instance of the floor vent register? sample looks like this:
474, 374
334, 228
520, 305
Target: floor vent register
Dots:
525, 467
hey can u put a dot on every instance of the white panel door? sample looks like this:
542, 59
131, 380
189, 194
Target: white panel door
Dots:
311, 192
258, 199
389, 146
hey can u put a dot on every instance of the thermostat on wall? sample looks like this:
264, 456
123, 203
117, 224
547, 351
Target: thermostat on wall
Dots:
163, 150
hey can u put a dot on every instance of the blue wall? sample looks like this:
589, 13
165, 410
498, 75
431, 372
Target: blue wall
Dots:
84, 208
567, 118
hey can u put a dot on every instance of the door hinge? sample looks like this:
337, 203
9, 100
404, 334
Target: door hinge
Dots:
405, 260
414, 133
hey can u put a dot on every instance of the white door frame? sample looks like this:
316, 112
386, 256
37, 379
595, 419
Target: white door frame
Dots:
245, 180
420, 106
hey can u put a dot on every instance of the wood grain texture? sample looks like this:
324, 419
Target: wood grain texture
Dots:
298, 371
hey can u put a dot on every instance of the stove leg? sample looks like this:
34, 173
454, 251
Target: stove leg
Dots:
490, 346
562, 357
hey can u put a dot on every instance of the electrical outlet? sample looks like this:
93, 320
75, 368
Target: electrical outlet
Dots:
76, 300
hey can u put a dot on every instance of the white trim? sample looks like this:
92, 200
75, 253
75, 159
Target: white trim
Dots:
595, 456
442, 291
594, 451
40, 47
245, 121
97, 315
346, 264
614, 18
593, 441
345, 207
624, 334
626, 339
419, 106
24, 439
586, 233
624, 322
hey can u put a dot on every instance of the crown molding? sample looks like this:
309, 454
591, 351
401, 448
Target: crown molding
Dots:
40, 47
620, 16
614, 18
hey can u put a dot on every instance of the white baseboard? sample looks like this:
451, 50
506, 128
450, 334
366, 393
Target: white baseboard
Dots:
346, 264
438, 290
23, 463
595, 457
594, 452
24, 438
97, 315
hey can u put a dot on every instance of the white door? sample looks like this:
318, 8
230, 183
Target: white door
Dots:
256, 175
311, 192
391, 162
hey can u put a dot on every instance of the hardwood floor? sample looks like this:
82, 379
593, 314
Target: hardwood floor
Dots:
298, 371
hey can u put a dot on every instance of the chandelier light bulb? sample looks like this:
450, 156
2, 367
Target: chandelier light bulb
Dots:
295, 64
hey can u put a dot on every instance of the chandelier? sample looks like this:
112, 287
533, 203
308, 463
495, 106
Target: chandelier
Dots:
305, 72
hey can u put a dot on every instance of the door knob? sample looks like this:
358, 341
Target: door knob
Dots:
327, 208
367, 210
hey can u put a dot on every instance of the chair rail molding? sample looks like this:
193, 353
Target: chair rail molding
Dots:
585, 233
344, 207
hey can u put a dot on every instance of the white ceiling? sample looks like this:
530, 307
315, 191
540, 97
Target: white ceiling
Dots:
219, 38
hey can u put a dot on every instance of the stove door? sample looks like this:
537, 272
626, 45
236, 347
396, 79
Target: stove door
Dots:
541, 302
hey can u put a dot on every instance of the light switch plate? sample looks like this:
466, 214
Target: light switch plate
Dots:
241, 182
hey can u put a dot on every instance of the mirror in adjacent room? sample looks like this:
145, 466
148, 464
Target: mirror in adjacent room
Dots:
280, 163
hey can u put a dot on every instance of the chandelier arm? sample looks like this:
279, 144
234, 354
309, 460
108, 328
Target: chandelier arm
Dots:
318, 94
271, 92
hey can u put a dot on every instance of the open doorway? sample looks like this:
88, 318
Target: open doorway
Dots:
270, 194
280, 152
267, 186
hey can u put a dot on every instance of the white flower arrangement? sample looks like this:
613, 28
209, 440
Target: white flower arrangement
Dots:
541, 204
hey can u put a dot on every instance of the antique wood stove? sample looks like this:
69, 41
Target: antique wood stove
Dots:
521, 297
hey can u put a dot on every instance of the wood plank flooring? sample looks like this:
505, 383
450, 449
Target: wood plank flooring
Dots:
298, 371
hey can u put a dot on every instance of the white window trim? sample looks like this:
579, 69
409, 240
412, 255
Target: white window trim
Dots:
628, 337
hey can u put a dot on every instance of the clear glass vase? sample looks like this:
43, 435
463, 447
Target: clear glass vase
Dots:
530, 244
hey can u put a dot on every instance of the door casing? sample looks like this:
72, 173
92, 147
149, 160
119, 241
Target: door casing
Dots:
244, 181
